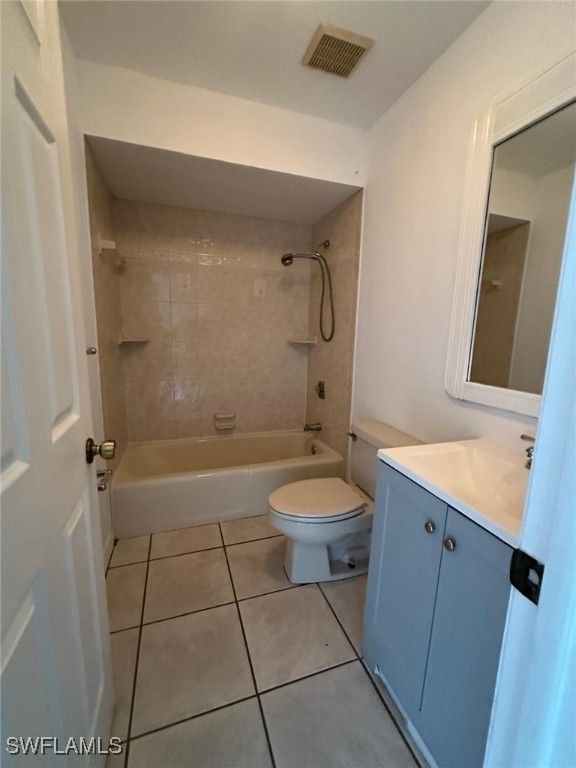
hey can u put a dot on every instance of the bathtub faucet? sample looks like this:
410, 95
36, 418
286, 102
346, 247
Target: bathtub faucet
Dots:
316, 427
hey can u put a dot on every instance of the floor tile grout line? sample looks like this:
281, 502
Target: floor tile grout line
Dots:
264, 724
125, 565
138, 648
318, 584
307, 677
192, 717
256, 695
202, 610
365, 668
221, 534
181, 554
109, 561
272, 592
167, 557
187, 613
191, 552
387, 708
251, 541
124, 629
266, 731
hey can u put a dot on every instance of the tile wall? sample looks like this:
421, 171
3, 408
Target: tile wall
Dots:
209, 295
332, 362
106, 276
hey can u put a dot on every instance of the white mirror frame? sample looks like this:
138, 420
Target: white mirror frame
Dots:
537, 99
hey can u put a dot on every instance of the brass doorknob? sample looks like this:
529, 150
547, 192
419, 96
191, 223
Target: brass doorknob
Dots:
106, 449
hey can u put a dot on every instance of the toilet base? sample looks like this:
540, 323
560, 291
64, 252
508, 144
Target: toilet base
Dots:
306, 563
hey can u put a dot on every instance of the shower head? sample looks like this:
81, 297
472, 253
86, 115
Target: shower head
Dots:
288, 258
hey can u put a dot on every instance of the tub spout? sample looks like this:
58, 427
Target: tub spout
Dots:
316, 427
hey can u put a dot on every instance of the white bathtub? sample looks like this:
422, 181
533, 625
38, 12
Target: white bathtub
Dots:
169, 484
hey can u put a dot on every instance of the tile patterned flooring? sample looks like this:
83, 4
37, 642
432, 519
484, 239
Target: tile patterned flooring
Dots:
219, 661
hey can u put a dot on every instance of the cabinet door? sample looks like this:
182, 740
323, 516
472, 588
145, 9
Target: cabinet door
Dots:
402, 581
473, 594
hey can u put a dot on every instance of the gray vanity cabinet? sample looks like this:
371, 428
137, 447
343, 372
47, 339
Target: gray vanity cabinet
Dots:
402, 581
436, 604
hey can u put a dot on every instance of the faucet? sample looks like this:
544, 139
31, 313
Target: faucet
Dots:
529, 450
316, 427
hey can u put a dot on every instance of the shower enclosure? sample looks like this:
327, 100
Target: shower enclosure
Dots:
195, 312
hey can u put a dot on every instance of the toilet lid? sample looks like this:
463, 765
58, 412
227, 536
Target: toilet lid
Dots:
321, 499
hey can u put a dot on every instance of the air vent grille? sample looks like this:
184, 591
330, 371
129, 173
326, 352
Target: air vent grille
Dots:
336, 50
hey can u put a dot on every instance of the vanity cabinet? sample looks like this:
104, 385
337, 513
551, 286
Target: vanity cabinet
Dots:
438, 591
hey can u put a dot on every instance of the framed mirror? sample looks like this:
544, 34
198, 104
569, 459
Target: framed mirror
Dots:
519, 184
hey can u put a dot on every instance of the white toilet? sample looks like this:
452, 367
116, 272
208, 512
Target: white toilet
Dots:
328, 522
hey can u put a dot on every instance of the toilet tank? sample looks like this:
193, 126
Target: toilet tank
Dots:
372, 435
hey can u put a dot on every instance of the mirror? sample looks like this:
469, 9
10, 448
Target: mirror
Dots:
516, 201
527, 214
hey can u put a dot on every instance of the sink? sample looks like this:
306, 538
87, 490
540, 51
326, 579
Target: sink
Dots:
481, 479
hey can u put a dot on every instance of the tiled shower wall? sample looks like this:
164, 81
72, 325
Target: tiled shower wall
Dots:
332, 362
207, 312
106, 277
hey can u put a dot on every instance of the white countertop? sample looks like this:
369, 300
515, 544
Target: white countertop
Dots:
482, 480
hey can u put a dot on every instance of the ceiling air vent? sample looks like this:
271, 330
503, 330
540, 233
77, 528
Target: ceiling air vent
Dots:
336, 50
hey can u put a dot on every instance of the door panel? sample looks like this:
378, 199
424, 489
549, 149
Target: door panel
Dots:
38, 159
41, 189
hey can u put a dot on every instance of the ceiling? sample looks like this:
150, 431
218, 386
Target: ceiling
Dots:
253, 49
149, 175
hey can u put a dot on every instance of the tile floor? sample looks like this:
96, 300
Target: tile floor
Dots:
219, 661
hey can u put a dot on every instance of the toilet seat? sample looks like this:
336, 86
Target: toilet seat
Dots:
322, 500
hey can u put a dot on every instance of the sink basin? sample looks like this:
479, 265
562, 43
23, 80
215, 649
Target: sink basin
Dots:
481, 479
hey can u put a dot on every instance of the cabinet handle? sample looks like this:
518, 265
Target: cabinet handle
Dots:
449, 544
429, 526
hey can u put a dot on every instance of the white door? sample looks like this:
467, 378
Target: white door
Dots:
533, 719
55, 661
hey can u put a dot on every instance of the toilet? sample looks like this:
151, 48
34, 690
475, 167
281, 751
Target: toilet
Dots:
328, 522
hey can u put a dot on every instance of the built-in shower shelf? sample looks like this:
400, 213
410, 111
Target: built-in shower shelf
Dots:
123, 342
304, 342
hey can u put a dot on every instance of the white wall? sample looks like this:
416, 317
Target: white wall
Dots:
122, 104
413, 208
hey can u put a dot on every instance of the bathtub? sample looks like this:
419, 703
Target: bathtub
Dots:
170, 484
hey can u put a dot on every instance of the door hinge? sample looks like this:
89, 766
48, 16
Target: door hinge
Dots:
526, 575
